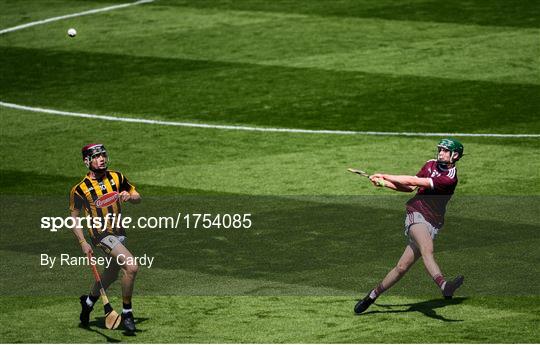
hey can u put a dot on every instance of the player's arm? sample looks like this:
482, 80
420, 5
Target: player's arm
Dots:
77, 231
75, 206
412, 181
133, 196
399, 187
376, 179
128, 191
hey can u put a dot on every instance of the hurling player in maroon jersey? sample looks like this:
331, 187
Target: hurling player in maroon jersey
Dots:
436, 182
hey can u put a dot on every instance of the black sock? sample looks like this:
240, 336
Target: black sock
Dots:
93, 298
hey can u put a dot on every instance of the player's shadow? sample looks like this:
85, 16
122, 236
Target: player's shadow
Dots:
91, 329
99, 324
426, 307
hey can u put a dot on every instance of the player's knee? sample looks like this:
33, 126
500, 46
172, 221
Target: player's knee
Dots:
401, 269
132, 269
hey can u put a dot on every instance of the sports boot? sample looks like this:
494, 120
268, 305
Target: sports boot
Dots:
362, 305
129, 322
451, 286
85, 311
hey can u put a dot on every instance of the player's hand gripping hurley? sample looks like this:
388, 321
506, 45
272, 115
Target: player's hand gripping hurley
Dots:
112, 319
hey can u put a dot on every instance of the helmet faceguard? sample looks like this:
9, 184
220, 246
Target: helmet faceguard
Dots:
89, 152
452, 145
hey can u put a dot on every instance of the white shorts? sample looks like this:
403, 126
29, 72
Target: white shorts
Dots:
418, 218
108, 243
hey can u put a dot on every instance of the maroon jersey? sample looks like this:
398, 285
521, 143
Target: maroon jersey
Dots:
431, 201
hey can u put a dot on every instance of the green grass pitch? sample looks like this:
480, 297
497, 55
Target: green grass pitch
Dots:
322, 238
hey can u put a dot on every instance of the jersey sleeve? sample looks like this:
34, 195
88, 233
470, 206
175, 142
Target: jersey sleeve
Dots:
75, 200
125, 185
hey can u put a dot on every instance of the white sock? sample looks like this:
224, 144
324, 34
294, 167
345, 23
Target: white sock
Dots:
443, 285
125, 311
372, 294
89, 302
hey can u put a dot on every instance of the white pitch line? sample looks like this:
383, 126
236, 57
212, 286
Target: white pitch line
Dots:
54, 19
255, 129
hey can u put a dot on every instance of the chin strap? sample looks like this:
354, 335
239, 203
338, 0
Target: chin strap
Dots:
452, 161
99, 171
443, 165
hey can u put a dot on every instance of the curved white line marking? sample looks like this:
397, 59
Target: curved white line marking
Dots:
54, 19
255, 129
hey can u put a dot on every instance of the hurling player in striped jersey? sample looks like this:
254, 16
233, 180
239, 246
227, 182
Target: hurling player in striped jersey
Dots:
101, 192
435, 182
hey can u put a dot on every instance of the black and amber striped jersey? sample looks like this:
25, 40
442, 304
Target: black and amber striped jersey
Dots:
99, 197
